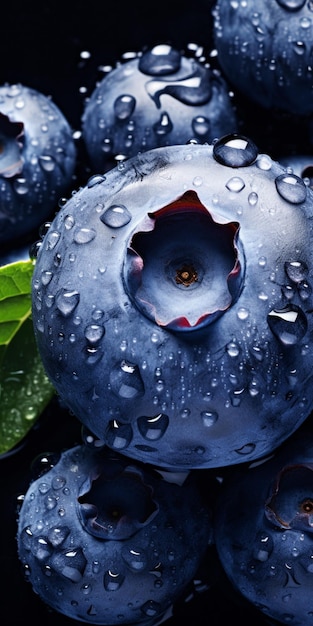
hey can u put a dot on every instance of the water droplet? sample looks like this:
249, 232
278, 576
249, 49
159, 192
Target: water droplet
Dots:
291, 188
47, 163
126, 380
94, 333
296, 270
116, 216
136, 559
153, 428
201, 126
124, 107
160, 60
235, 184
118, 436
209, 418
264, 162
57, 535
253, 198
246, 449
21, 186
97, 179
164, 126
291, 5
243, 313
84, 235
112, 581
289, 324
232, 349
70, 564
67, 301
235, 151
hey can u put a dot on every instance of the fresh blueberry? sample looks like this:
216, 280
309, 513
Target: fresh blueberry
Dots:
107, 541
172, 302
37, 160
263, 531
158, 97
264, 48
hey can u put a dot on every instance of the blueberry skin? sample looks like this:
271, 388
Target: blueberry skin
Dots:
264, 49
158, 97
107, 541
37, 161
263, 531
172, 305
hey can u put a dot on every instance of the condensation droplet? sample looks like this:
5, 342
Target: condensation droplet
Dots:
126, 380
235, 151
296, 270
291, 188
289, 324
235, 184
209, 418
67, 301
124, 107
84, 235
153, 428
118, 436
116, 216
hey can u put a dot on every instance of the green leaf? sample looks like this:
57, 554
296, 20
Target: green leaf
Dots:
24, 387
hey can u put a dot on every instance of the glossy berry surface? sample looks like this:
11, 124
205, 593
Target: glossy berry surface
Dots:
108, 541
172, 304
158, 97
37, 160
263, 531
264, 48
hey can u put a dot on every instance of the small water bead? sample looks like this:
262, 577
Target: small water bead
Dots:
235, 184
57, 535
112, 581
253, 198
246, 449
116, 216
209, 418
201, 126
232, 349
126, 380
304, 290
135, 559
21, 186
264, 162
243, 313
164, 125
47, 163
291, 188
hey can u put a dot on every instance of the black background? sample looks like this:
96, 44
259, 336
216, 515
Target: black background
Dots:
41, 46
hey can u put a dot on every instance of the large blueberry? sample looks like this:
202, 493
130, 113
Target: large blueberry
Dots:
107, 541
155, 98
37, 160
263, 531
172, 304
265, 50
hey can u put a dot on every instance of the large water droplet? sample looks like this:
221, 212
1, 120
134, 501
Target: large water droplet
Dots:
84, 235
296, 271
235, 151
289, 324
160, 60
70, 564
235, 184
124, 107
291, 188
67, 301
116, 216
291, 5
153, 428
112, 581
126, 380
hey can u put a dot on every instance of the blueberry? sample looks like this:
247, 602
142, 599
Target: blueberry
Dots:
264, 49
37, 160
172, 303
107, 541
158, 97
263, 531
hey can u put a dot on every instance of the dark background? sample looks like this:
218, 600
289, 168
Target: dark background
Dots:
41, 46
